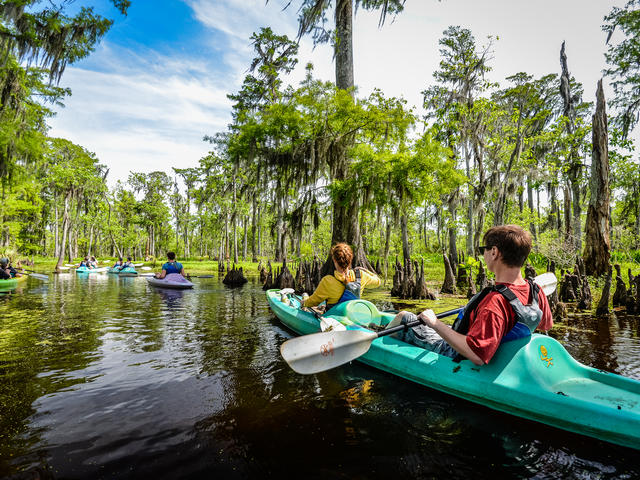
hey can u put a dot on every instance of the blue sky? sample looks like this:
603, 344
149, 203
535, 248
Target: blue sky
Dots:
158, 81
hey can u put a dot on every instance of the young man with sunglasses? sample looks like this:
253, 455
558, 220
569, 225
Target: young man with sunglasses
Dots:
489, 317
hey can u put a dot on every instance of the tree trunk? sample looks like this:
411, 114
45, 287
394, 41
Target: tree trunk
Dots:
567, 211
90, 240
346, 227
532, 224
597, 249
406, 252
637, 226
574, 165
467, 159
254, 251
56, 237
501, 200
344, 45
453, 230
65, 231
244, 242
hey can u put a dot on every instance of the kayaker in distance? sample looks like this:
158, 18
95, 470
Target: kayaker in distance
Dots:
5, 273
127, 264
93, 263
171, 266
345, 283
490, 315
86, 262
118, 264
12, 271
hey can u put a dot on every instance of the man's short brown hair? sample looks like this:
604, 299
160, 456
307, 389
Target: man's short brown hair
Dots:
513, 241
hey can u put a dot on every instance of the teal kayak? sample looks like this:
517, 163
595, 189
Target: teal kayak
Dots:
533, 377
124, 272
91, 270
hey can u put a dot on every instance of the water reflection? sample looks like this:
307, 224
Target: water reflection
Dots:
103, 377
171, 297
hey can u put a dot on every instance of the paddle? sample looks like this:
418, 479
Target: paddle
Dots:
39, 276
322, 351
199, 276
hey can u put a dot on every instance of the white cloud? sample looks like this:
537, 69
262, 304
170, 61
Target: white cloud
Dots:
150, 116
146, 111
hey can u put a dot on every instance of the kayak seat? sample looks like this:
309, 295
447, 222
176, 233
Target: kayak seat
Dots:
357, 312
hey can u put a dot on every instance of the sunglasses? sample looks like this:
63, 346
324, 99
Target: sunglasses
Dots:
482, 248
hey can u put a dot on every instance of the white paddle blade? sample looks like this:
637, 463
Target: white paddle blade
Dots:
138, 264
40, 276
322, 351
145, 268
547, 281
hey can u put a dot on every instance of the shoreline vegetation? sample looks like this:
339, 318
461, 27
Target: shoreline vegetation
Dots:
433, 268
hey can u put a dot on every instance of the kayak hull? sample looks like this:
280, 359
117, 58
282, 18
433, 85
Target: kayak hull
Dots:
91, 270
11, 283
533, 378
125, 272
173, 280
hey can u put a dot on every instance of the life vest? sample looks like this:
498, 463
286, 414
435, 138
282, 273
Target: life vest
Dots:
351, 291
172, 267
528, 316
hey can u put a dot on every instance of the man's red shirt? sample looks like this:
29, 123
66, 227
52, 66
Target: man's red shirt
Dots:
494, 317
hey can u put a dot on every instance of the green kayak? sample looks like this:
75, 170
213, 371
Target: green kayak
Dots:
533, 377
11, 283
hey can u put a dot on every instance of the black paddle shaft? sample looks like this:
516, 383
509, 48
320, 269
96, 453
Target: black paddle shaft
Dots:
399, 328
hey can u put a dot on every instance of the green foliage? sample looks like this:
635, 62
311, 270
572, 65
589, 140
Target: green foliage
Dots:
624, 63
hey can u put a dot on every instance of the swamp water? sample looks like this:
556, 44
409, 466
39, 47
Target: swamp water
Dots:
106, 377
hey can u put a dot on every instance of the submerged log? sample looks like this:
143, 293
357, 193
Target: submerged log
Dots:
235, 277
449, 284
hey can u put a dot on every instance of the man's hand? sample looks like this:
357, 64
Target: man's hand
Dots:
305, 295
428, 318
